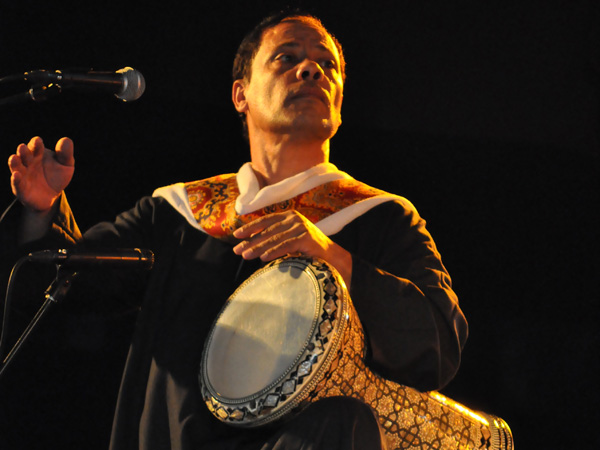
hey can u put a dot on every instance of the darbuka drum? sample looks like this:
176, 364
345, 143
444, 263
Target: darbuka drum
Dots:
289, 336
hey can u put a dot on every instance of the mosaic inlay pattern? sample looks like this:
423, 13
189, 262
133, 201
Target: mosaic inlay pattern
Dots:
333, 365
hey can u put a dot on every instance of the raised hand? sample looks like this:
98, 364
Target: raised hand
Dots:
39, 175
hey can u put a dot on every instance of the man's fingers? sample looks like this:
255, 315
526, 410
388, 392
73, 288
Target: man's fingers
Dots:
35, 148
258, 225
263, 232
281, 240
24, 154
15, 179
246, 230
30, 151
36, 145
64, 152
253, 247
15, 163
292, 244
276, 235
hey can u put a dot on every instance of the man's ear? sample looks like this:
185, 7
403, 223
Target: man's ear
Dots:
238, 95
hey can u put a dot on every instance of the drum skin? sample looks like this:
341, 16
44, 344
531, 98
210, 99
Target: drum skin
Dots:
289, 336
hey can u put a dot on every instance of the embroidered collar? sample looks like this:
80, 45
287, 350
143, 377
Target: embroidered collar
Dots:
326, 196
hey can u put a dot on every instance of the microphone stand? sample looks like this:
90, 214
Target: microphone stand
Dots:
36, 93
54, 294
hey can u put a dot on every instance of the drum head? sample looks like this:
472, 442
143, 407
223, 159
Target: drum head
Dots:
262, 332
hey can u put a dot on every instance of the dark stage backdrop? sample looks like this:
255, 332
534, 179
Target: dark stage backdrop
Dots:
484, 114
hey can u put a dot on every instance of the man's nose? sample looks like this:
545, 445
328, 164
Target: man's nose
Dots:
309, 70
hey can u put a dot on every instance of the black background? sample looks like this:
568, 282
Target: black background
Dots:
484, 114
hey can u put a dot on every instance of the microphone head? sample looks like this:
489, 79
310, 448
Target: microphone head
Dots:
134, 84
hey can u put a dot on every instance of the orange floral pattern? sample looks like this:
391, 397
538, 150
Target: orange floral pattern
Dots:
213, 202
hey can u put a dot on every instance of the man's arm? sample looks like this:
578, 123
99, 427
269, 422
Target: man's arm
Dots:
404, 297
398, 284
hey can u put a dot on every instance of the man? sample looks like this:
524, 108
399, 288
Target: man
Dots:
211, 234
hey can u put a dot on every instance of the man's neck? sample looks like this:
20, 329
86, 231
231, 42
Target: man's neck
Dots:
273, 161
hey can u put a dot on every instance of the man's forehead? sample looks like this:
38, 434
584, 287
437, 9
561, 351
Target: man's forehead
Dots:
295, 31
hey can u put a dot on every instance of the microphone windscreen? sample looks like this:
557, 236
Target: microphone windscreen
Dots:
134, 84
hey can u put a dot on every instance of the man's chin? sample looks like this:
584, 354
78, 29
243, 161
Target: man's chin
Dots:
323, 128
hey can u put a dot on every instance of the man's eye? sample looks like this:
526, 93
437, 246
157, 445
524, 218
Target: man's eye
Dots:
329, 64
285, 58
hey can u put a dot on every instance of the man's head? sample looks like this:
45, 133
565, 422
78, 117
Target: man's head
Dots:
287, 55
242, 64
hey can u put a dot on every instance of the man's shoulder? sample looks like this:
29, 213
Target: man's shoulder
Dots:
367, 190
390, 207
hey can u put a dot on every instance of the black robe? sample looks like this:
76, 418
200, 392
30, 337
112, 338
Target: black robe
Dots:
400, 289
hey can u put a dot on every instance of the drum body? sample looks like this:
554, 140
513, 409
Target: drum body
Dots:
289, 336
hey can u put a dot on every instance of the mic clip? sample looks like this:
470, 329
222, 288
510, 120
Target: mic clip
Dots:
59, 288
41, 93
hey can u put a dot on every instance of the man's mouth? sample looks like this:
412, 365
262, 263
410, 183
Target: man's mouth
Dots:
311, 93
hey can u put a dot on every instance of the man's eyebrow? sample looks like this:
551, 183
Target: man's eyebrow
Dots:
290, 44
294, 44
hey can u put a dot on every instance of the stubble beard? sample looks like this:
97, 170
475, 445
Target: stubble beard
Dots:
309, 125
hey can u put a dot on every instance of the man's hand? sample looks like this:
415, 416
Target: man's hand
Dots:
39, 175
279, 234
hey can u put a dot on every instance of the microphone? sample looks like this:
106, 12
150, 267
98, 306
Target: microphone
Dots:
127, 84
126, 258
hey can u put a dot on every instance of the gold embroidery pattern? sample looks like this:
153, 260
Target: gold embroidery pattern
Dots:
213, 202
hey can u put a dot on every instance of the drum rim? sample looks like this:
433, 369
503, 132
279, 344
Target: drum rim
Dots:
305, 266
321, 362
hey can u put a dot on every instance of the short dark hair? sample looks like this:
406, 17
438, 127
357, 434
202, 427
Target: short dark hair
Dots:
242, 63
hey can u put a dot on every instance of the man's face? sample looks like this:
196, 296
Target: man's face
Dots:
296, 84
